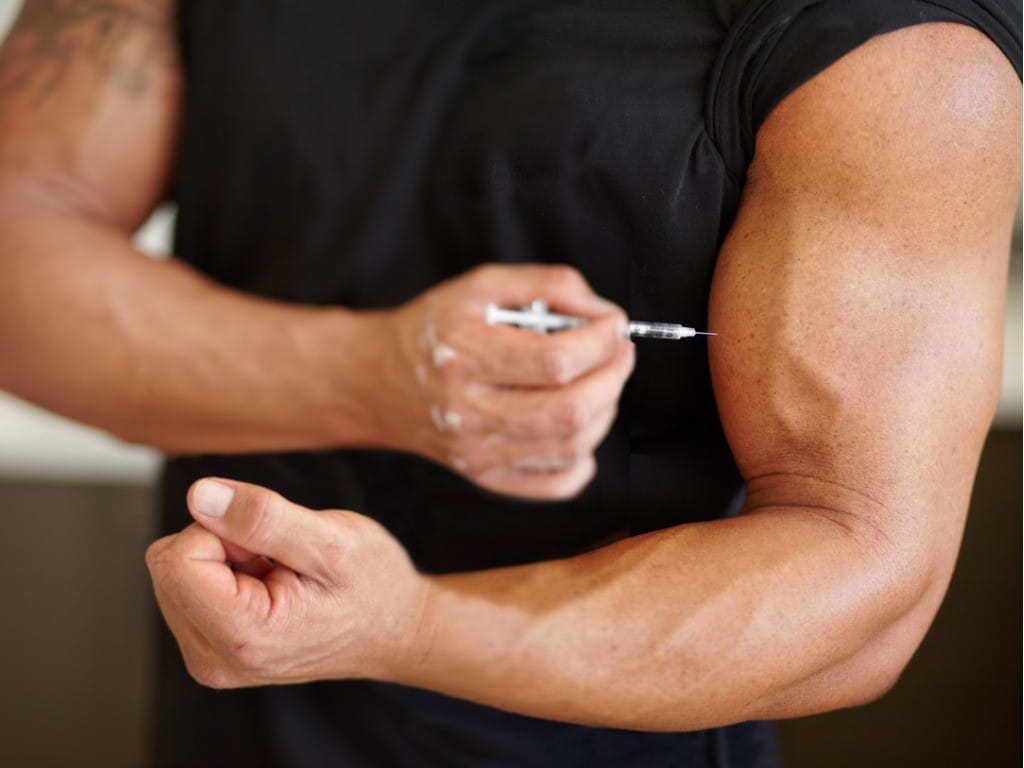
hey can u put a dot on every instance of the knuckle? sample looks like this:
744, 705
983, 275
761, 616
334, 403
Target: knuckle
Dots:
208, 673
629, 363
562, 277
621, 319
156, 554
247, 656
571, 418
556, 365
449, 367
264, 510
471, 422
596, 431
220, 679
366, 538
576, 447
474, 463
485, 273
459, 444
443, 355
568, 489
497, 485
569, 483
470, 464
335, 551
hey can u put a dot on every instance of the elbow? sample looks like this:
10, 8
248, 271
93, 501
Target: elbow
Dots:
899, 598
901, 583
875, 668
873, 683
867, 676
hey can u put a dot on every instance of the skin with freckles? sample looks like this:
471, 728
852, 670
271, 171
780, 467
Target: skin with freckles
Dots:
859, 303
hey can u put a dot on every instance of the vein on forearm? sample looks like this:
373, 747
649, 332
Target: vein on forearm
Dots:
150, 350
693, 626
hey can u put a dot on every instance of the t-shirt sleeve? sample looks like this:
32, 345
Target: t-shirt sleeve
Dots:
774, 46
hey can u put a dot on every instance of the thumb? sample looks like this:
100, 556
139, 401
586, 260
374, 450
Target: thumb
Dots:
262, 522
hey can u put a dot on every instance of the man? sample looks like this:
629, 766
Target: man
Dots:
339, 169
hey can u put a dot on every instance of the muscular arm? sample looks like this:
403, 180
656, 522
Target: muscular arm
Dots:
859, 301
150, 350
156, 353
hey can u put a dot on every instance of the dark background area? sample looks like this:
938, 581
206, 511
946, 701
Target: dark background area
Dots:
78, 624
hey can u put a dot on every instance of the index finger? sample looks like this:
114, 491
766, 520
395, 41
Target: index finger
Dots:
190, 570
507, 356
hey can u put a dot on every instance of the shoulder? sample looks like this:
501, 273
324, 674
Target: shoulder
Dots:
906, 102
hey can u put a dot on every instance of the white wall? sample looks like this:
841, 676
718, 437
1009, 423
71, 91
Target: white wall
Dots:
7, 10
34, 443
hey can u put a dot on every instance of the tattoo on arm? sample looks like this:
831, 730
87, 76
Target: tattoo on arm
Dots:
125, 42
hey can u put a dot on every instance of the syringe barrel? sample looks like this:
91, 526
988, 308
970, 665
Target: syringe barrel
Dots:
644, 330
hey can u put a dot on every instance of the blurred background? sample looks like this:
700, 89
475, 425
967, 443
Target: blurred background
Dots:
76, 514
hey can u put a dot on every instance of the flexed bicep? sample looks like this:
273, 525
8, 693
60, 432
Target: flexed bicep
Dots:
859, 299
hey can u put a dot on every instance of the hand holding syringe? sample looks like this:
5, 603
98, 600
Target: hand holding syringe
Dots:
520, 414
536, 317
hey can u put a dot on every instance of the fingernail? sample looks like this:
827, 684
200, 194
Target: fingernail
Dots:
211, 498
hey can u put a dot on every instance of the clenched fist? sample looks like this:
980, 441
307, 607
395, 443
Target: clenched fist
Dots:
514, 411
261, 591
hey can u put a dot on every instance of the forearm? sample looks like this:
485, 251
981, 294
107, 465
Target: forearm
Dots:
767, 615
156, 353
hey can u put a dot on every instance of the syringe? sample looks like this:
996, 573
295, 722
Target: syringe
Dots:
535, 317
673, 331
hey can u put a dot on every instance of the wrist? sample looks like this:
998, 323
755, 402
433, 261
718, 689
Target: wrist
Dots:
457, 634
347, 349
406, 659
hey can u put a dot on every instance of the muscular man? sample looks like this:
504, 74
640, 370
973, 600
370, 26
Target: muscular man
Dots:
521, 564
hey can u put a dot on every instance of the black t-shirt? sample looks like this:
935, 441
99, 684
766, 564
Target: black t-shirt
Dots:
357, 153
